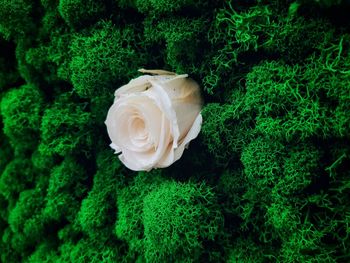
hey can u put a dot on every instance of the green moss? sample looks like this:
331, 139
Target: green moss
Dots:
225, 129
65, 127
15, 20
283, 217
300, 169
26, 71
173, 220
45, 252
21, 110
262, 162
17, 176
8, 254
52, 58
164, 6
89, 250
232, 185
245, 250
26, 219
97, 213
66, 188
104, 57
285, 104
302, 244
266, 180
129, 224
78, 13
181, 37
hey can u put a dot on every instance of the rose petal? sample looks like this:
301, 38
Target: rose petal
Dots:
156, 71
127, 109
168, 158
165, 104
186, 101
135, 85
115, 147
192, 134
145, 161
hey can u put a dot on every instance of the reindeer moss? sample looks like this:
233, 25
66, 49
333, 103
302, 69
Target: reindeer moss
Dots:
267, 179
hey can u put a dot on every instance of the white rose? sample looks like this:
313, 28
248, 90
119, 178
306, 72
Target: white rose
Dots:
153, 119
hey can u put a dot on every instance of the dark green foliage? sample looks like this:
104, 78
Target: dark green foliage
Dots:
173, 209
267, 179
21, 110
102, 58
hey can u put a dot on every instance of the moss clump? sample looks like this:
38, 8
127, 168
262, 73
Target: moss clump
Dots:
129, 225
78, 13
262, 162
26, 219
65, 127
246, 250
164, 6
65, 189
44, 252
226, 129
266, 180
21, 110
15, 18
91, 250
17, 176
104, 57
181, 38
300, 169
97, 212
172, 217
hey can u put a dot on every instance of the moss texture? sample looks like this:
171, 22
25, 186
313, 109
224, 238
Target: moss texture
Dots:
267, 180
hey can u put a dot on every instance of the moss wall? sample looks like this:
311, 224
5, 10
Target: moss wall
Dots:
267, 180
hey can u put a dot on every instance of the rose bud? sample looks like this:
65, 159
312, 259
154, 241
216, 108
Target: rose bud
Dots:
153, 118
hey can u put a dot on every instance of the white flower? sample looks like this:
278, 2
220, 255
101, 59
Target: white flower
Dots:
153, 119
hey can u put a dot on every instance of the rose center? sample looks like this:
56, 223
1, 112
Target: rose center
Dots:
138, 132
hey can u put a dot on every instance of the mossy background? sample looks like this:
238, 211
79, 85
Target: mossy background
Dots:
267, 180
